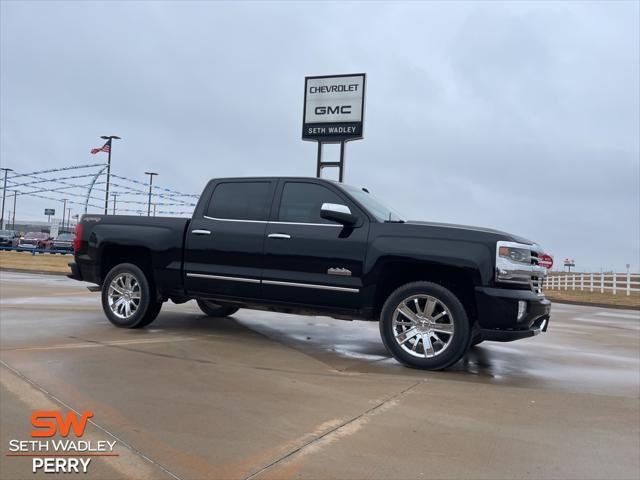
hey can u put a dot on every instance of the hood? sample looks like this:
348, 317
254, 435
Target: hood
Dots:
491, 233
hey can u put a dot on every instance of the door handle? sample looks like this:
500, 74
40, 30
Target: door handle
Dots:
201, 232
280, 235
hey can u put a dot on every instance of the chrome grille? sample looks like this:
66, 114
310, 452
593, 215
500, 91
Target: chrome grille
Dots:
536, 279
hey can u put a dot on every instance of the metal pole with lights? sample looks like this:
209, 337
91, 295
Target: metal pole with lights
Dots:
64, 211
110, 138
115, 199
151, 174
13, 221
4, 191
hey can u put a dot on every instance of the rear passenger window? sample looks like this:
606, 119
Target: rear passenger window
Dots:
301, 202
240, 201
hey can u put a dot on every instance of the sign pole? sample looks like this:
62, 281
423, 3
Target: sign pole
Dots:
319, 166
341, 167
333, 113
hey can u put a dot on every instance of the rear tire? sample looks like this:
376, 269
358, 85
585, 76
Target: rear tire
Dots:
128, 297
424, 325
213, 309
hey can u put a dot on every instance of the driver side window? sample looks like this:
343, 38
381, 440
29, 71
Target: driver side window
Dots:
301, 202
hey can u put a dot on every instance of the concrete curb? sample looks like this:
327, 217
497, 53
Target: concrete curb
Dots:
38, 272
598, 305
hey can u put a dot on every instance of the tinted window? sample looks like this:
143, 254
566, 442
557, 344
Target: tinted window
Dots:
241, 201
301, 202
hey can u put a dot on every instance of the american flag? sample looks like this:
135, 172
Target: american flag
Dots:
105, 148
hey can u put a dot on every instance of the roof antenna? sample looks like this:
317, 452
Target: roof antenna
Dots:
365, 189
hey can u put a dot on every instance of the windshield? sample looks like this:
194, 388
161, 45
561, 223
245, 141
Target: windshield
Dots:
7, 233
36, 235
375, 207
65, 236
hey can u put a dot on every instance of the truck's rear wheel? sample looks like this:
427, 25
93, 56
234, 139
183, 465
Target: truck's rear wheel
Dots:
424, 325
128, 299
216, 309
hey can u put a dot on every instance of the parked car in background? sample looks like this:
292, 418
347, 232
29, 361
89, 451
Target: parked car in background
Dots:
9, 238
35, 240
63, 241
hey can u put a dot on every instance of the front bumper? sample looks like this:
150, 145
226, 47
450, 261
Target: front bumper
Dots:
498, 314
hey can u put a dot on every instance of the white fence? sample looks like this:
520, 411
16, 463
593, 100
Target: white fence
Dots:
595, 282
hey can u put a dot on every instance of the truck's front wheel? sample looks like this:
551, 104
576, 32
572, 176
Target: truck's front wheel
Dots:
128, 299
424, 325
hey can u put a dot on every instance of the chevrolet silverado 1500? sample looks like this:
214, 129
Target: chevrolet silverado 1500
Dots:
313, 246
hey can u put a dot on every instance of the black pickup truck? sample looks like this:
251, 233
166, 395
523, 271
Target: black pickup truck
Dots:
313, 246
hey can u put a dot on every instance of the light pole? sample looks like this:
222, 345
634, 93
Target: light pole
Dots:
13, 221
151, 174
115, 199
108, 138
64, 210
4, 191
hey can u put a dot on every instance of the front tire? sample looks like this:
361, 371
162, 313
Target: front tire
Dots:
128, 297
213, 309
424, 325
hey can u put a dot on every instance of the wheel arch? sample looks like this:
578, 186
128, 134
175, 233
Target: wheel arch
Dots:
460, 281
112, 255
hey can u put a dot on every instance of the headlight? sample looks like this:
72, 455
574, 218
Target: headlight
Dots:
515, 254
513, 263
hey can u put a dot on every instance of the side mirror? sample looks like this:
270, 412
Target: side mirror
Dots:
338, 213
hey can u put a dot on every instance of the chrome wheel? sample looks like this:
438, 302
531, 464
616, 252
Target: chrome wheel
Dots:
423, 326
124, 295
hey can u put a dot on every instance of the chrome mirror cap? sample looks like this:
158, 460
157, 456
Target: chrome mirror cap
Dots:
335, 207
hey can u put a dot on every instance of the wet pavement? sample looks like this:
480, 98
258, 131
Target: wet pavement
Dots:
265, 395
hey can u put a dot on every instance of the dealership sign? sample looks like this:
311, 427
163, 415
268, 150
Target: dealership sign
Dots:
333, 108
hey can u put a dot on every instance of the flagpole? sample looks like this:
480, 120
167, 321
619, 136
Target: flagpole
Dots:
106, 196
109, 138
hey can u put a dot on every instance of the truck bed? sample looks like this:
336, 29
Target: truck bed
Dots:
158, 241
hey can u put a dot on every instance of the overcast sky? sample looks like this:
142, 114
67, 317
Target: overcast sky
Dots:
519, 116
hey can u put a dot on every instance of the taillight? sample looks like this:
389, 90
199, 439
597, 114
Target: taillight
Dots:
78, 238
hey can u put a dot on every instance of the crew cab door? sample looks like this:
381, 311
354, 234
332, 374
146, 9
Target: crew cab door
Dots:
224, 246
310, 260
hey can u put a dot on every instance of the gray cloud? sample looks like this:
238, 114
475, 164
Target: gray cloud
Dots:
520, 116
